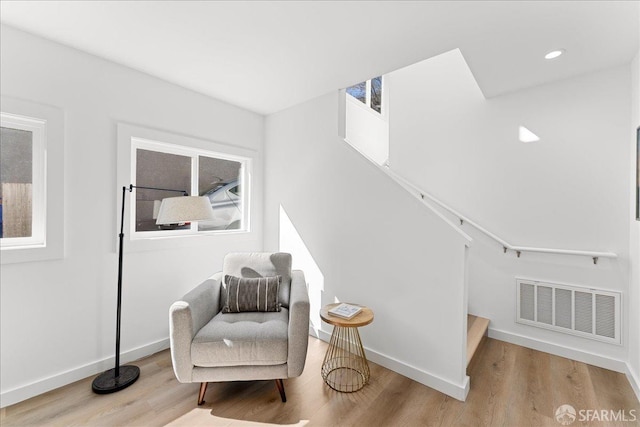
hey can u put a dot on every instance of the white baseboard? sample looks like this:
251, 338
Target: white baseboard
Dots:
559, 350
634, 380
456, 391
571, 353
35, 388
314, 332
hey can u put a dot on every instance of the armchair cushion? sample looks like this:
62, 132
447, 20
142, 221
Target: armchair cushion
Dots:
260, 264
259, 294
237, 339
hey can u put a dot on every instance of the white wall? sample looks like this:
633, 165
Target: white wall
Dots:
58, 317
363, 239
634, 246
569, 190
367, 130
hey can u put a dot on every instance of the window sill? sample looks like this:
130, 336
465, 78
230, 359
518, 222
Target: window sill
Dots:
364, 107
18, 254
182, 241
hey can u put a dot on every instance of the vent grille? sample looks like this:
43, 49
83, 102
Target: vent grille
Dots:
589, 313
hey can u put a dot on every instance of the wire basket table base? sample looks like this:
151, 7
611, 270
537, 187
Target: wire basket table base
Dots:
345, 367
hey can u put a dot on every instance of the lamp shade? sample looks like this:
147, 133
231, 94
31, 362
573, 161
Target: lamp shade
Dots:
156, 208
174, 210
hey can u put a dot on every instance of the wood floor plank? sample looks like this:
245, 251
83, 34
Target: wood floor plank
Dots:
491, 387
614, 399
573, 385
530, 399
510, 386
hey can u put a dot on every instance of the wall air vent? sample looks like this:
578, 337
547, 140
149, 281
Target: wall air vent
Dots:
585, 312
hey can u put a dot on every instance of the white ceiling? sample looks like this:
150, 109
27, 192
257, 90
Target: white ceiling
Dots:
266, 56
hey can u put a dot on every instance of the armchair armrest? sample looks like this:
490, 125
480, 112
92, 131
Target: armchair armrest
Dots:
186, 317
298, 324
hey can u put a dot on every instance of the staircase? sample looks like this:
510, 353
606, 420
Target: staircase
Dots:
476, 331
477, 327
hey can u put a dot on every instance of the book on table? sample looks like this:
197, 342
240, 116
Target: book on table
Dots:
346, 311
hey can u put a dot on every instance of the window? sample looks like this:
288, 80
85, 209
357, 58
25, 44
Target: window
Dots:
376, 94
365, 118
31, 181
22, 179
369, 93
359, 92
218, 176
160, 170
219, 180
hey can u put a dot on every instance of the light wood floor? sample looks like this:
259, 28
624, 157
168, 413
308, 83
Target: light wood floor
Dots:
510, 386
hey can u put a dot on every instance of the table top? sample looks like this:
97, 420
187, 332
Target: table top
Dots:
361, 319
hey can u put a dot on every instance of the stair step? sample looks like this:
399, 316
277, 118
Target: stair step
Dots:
476, 330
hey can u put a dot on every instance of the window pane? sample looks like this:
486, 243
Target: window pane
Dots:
358, 91
16, 177
219, 180
159, 170
376, 94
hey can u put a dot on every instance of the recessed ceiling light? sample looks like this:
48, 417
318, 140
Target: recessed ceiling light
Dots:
554, 54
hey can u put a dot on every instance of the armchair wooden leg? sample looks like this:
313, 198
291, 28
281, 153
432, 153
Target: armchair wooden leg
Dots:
280, 386
203, 390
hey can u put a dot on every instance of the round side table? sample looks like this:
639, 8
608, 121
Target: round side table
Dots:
345, 367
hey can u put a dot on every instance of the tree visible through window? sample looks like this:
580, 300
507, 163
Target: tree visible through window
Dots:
376, 94
359, 92
369, 93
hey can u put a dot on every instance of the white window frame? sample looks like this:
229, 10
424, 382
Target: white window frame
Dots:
194, 154
38, 129
49, 168
125, 135
367, 104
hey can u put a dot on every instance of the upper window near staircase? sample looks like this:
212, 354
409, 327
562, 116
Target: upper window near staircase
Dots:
369, 93
376, 94
359, 92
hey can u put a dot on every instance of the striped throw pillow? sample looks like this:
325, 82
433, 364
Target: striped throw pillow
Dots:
255, 294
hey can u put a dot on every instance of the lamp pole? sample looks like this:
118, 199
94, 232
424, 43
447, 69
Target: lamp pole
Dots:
121, 377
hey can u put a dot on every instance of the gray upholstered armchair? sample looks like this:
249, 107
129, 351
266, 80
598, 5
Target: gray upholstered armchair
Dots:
210, 345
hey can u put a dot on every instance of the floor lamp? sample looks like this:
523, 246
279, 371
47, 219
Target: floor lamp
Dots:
173, 210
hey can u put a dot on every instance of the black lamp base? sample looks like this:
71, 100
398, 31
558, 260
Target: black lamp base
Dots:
107, 382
